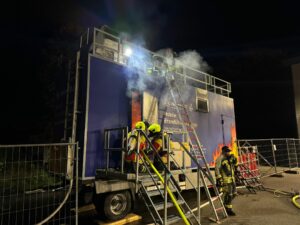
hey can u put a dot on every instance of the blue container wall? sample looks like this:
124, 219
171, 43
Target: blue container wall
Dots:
108, 107
208, 126
212, 133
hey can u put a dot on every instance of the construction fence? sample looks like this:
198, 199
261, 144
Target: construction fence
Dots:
38, 184
270, 156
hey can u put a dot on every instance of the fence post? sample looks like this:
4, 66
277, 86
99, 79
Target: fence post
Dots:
274, 158
77, 184
288, 152
296, 153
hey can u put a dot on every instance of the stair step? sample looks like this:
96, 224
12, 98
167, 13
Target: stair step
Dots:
157, 192
148, 180
160, 205
174, 218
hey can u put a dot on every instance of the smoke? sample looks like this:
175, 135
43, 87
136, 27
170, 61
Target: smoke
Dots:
136, 69
191, 62
141, 61
139, 67
192, 59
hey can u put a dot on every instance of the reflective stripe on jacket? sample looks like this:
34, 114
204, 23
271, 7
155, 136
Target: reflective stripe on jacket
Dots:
225, 168
132, 146
157, 142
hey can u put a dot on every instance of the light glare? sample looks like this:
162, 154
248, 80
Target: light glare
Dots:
128, 51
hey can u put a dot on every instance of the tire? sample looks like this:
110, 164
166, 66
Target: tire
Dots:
113, 206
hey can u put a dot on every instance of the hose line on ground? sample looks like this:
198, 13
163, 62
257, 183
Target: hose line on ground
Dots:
279, 194
295, 202
60, 206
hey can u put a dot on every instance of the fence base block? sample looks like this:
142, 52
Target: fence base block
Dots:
292, 171
277, 175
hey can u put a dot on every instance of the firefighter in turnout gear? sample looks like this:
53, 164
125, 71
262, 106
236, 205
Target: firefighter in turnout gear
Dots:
131, 154
225, 167
156, 135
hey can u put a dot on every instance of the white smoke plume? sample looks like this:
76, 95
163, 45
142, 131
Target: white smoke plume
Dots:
141, 60
136, 66
192, 59
189, 58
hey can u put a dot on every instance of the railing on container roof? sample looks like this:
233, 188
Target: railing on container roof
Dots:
91, 39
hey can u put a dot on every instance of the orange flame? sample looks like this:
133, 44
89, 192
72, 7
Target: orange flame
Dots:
217, 152
232, 145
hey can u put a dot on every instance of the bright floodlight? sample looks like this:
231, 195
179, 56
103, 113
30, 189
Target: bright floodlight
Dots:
128, 51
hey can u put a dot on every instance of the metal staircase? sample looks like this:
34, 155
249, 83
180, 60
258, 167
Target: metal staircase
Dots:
158, 190
196, 150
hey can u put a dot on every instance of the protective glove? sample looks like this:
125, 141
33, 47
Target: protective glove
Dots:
219, 184
232, 159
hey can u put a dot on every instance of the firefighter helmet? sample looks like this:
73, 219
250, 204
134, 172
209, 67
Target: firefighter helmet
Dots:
225, 149
154, 128
140, 125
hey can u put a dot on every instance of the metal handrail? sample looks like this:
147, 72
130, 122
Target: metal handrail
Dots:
209, 80
164, 181
122, 149
160, 160
37, 145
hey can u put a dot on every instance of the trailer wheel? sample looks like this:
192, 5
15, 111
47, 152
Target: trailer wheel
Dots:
113, 206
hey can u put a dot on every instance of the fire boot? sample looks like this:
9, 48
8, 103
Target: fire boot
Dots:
230, 212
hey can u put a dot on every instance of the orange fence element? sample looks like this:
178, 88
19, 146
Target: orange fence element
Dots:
248, 165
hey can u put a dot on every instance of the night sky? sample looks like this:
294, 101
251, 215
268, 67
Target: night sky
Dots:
244, 42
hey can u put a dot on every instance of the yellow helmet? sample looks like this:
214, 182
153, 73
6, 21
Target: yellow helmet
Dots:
154, 128
140, 125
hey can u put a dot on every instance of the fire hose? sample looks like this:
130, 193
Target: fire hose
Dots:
60, 206
279, 193
294, 200
70, 176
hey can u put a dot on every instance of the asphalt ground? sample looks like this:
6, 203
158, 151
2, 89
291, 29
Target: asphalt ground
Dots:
262, 208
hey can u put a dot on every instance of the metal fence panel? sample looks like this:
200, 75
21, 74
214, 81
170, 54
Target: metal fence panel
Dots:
297, 147
263, 149
34, 181
274, 155
292, 153
281, 153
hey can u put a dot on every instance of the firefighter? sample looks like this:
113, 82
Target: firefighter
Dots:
131, 154
156, 136
225, 173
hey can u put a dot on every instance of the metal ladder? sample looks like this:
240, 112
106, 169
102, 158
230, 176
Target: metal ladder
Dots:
251, 182
158, 189
245, 176
71, 108
195, 146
